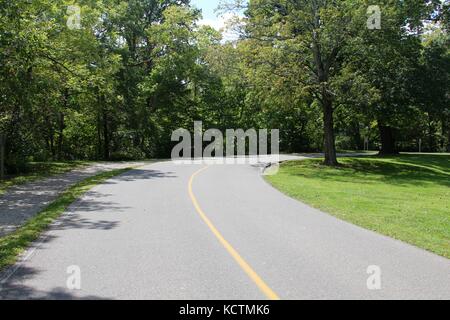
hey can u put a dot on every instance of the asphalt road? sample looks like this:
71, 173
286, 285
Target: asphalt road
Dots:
169, 231
22, 202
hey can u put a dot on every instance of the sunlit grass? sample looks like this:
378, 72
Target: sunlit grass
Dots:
405, 197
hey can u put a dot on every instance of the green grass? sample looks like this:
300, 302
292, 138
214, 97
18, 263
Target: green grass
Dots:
370, 152
14, 244
39, 170
406, 197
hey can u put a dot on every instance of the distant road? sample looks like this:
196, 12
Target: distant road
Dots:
169, 231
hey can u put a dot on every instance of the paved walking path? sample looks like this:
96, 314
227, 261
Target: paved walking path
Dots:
22, 202
167, 231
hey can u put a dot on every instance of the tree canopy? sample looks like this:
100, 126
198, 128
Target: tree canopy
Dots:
111, 79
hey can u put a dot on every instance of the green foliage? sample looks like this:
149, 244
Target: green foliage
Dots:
117, 87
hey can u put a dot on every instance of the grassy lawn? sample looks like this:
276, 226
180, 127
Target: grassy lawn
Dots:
39, 170
406, 197
14, 244
357, 152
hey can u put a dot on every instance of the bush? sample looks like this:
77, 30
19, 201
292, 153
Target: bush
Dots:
127, 155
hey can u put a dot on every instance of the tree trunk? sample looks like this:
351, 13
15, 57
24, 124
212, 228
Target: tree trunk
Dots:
62, 124
106, 152
447, 129
446, 133
387, 140
358, 140
448, 140
99, 137
52, 146
432, 142
327, 101
61, 135
329, 138
2, 156
50, 137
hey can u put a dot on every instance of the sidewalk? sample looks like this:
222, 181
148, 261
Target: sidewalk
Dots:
22, 202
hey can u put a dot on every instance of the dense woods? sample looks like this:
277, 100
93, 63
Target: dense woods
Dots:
116, 83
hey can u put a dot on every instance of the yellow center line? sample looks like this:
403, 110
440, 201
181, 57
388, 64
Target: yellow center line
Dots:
269, 293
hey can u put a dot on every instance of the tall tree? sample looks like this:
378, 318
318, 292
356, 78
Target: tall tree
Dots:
387, 59
312, 38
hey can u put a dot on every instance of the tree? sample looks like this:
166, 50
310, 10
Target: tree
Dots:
432, 78
312, 38
388, 60
116, 85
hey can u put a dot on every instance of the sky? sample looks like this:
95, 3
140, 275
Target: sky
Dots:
211, 18
208, 7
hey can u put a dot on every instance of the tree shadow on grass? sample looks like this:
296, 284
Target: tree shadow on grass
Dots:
373, 171
436, 162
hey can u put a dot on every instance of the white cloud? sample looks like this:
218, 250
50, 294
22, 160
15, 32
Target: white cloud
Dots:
221, 24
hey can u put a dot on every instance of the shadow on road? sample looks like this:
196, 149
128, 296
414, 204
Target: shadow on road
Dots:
15, 290
96, 210
142, 174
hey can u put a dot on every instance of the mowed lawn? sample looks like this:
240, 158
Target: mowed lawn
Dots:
406, 197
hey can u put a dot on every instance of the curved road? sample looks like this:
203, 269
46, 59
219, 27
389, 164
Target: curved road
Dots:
169, 231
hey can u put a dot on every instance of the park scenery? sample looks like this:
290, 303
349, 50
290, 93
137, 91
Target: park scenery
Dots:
224, 150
